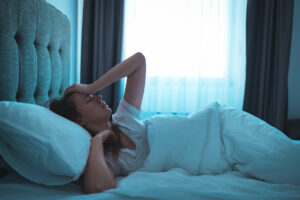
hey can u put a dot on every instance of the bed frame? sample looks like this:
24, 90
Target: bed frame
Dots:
34, 51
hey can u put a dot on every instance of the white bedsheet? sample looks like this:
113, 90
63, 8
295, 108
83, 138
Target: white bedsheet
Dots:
173, 184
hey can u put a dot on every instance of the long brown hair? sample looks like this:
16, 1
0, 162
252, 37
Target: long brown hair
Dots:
65, 107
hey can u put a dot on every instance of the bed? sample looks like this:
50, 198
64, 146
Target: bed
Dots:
34, 59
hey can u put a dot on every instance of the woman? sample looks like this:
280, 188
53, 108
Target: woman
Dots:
91, 112
120, 146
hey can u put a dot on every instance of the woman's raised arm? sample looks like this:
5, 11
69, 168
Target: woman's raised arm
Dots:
135, 83
134, 68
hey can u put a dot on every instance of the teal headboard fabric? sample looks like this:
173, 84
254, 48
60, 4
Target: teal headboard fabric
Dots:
34, 51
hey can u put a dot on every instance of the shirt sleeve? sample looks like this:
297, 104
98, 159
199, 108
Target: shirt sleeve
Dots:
113, 163
127, 116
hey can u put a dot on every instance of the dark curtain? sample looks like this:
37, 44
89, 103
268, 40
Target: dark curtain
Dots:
102, 31
268, 36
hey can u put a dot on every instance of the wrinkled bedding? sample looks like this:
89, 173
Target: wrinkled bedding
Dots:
175, 184
217, 139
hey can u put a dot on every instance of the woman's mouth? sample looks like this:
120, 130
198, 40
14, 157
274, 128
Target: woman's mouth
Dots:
104, 105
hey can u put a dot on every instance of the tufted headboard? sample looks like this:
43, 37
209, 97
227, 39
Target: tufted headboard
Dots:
34, 51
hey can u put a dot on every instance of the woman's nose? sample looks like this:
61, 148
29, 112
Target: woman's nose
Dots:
98, 98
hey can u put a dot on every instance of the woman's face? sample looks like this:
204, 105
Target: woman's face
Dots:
92, 109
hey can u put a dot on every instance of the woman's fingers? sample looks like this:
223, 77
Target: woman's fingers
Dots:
69, 89
107, 136
104, 135
82, 88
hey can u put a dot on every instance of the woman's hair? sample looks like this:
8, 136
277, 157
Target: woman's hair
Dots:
65, 107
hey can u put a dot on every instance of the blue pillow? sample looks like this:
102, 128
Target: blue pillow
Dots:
41, 145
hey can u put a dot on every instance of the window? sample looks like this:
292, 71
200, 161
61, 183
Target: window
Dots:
195, 51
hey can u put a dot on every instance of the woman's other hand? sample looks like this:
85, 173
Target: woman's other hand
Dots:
107, 136
81, 88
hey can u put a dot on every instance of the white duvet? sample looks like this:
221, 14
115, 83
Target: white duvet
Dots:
217, 139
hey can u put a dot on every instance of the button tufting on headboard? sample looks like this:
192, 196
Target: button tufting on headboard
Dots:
16, 37
34, 51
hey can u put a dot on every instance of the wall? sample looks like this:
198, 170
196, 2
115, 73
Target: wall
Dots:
294, 70
73, 10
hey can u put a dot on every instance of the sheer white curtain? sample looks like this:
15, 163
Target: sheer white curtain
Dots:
195, 51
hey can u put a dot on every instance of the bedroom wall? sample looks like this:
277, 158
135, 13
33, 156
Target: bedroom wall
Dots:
73, 10
294, 70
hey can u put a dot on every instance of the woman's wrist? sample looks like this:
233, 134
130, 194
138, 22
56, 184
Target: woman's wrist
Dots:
91, 88
96, 141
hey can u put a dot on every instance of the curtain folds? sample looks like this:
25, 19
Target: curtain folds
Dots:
268, 36
102, 33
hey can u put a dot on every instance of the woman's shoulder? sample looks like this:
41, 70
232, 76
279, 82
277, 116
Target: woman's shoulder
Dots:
129, 119
126, 110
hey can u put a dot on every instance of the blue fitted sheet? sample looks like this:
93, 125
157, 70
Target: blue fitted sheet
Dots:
173, 184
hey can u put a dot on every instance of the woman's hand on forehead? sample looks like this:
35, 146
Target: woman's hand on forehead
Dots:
81, 88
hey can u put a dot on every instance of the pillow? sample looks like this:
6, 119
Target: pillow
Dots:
41, 145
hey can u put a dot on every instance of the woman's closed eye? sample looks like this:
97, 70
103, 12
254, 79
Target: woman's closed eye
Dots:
89, 98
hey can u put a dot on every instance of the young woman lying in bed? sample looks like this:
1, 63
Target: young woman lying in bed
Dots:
212, 140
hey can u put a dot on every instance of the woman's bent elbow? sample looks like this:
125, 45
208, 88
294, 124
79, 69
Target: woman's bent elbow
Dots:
142, 59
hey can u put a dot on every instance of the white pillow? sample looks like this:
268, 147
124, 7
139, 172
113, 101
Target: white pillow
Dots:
41, 145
